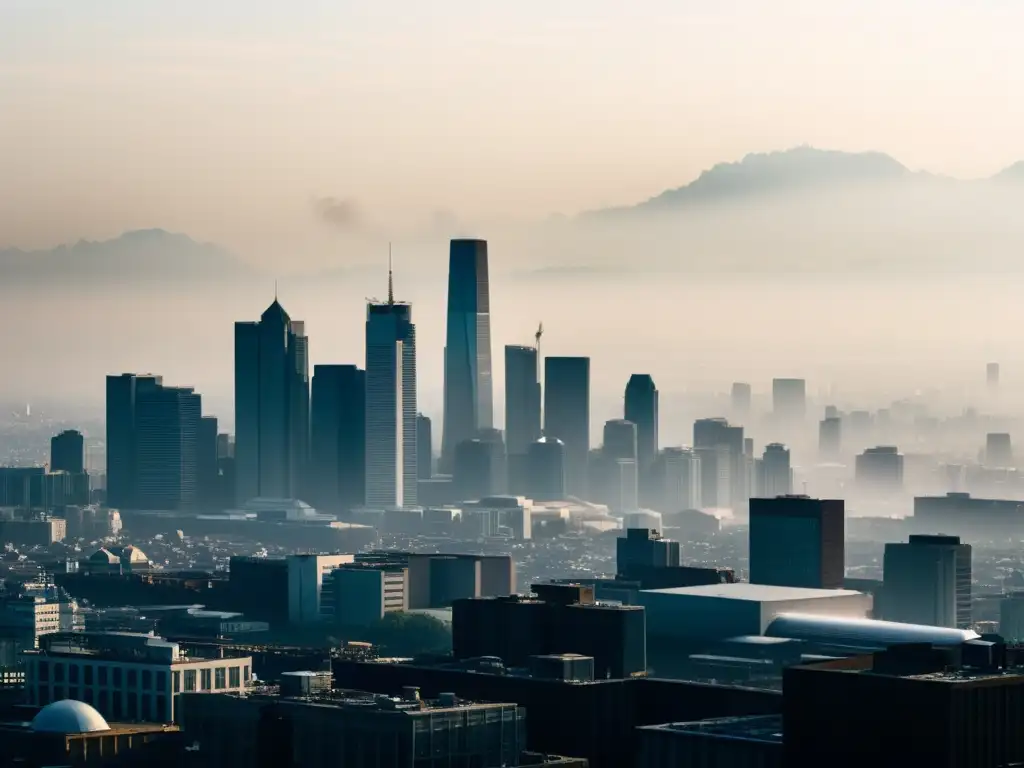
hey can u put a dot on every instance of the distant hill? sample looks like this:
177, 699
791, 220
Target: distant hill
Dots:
141, 255
793, 170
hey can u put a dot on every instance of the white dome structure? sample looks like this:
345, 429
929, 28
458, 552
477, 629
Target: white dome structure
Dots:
68, 716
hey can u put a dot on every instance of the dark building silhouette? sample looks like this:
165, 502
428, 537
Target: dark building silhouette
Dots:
830, 438
480, 466
641, 408
391, 444
468, 393
424, 447
797, 541
546, 469
789, 399
122, 435
522, 411
641, 549
559, 618
208, 467
271, 405
998, 449
338, 437
67, 452
740, 397
167, 426
880, 469
927, 581
567, 415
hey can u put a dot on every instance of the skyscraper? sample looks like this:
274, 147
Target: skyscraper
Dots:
67, 452
167, 448
522, 399
641, 408
122, 438
207, 468
468, 395
789, 399
830, 438
567, 415
741, 397
424, 447
338, 437
775, 477
619, 475
927, 581
723, 463
271, 406
796, 541
546, 470
391, 466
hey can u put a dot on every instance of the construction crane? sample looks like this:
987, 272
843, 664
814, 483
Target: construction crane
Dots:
536, 337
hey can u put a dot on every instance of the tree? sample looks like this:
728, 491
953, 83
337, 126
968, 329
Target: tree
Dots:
410, 634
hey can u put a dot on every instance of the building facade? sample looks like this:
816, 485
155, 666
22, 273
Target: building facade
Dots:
567, 415
797, 541
337, 481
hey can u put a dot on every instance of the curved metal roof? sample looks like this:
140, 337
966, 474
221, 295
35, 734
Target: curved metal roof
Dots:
69, 716
863, 633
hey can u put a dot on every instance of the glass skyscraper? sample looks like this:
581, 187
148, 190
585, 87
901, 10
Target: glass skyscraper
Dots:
468, 393
391, 466
271, 406
567, 415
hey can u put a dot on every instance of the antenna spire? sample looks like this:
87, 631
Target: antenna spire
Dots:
391, 279
275, 290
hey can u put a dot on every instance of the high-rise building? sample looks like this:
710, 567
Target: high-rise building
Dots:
207, 466
567, 415
468, 394
789, 398
927, 581
830, 438
998, 450
271, 406
391, 466
545, 463
618, 480
67, 452
122, 436
677, 480
480, 466
741, 397
338, 437
775, 477
424, 447
723, 463
797, 541
522, 399
880, 469
641, 408
167, 448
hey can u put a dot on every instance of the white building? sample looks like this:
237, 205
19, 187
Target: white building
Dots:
364, 593
125, 676
732, 610
307, 601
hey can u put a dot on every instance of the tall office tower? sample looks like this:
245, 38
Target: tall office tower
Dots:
480, 466
992, 375
617, 481
880, 469
338, 437
167, 448
797, 541
225, 446
620, 439
122, 448
567, 415
776, 476
641, 408
522, 411
998, 450
741, 397
468, 395
545, 463
207, 469
724, 472
830, 438
424, 447
391, 444
271, 406
677, 480
67, 452
789, 398
927, 581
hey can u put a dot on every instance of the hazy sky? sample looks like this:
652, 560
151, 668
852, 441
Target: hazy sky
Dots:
227, 119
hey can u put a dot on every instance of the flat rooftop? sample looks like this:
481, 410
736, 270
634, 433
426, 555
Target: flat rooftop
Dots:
760, 728
369, 702
761, 593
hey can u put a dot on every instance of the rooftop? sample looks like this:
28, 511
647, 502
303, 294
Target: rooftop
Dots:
761, 593
762, 728
409, 704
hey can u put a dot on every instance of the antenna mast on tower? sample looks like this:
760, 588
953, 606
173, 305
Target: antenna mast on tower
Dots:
391, 280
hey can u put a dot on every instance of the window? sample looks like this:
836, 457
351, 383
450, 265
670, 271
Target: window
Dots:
147, 680
103, 675
190, 679
221, 678
246, 674
58, 672
117, 677
177, 682
235, 677
162, 715
72, 673
161, 681
205, 677
133, 678
88, 674
133, 705
44, 671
